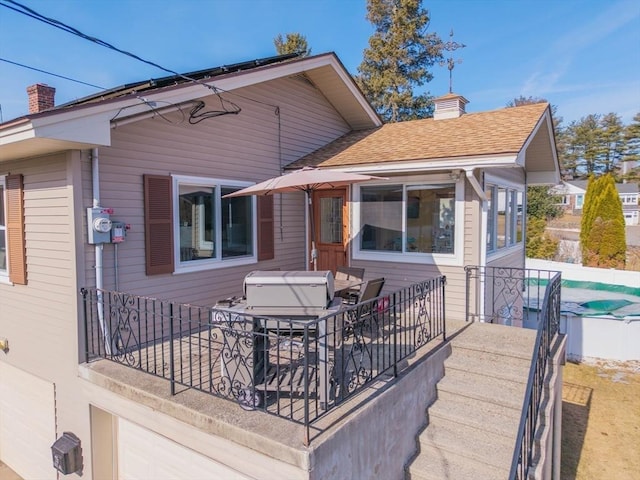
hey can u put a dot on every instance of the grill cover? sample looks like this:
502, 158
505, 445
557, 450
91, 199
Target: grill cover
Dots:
285, 289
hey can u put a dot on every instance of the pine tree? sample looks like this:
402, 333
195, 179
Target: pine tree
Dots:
293, 43
631, 151
612, 138
604, 242
398, 58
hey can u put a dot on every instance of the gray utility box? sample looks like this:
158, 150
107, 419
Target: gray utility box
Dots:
285, 289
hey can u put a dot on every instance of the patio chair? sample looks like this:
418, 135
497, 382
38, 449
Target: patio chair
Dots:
349, 273
359, 331
369, 290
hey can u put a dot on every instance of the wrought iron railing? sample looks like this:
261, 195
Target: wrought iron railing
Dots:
296, 368
522, 297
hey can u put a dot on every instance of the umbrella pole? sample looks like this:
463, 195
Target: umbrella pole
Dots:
314, 252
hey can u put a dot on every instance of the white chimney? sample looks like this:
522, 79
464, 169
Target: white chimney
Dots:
450, 105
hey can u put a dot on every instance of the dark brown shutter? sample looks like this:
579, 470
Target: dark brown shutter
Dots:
15, 230
265, 228
158, 224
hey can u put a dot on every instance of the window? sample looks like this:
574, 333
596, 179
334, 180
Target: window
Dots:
408, 219
505, 214
579, 201
211, 228
189, 226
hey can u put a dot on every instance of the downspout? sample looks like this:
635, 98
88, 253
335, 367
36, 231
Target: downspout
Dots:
483, 229
99, 249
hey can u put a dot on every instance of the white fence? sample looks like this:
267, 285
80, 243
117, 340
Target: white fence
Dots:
572, 271
597, 337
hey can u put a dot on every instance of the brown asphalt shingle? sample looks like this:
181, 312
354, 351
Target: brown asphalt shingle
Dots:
503, 131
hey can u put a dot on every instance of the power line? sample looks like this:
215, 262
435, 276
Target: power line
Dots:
52, 74
24, 10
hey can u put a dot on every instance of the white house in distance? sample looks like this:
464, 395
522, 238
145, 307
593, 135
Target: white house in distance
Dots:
123, 191
572, 198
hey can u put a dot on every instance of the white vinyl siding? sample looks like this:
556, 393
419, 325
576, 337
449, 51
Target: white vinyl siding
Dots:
144, 455
27, 423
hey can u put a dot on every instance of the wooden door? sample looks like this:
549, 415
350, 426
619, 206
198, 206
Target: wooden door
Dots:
331, 219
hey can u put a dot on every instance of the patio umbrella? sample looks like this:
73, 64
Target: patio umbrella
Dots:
307, 179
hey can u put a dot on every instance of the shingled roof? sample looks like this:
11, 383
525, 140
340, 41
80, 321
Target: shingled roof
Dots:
496, 132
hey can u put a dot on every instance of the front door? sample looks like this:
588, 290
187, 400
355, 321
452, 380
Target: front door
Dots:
331, 219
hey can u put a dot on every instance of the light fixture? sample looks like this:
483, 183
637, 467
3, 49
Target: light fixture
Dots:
455, 175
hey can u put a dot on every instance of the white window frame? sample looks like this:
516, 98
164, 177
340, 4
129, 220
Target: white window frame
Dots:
4, 272
216, 262
511, 241
579, 196
446, 259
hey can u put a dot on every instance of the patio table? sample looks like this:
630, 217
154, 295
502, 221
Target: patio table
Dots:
267, 319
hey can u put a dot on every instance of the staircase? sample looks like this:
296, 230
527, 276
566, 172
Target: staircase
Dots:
472, 426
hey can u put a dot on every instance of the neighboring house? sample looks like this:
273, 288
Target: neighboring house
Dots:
156, 158
572, 194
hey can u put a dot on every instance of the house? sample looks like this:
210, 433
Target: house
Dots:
123, 192
572, 195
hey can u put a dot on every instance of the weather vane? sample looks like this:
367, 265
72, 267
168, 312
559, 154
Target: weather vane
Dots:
450, 46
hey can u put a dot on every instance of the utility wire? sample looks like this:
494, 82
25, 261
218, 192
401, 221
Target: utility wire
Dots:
52, 74
23, 9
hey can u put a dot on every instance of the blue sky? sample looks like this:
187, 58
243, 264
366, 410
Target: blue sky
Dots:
581, 55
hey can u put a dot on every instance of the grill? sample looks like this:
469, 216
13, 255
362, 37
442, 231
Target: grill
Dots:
269, 296
288, 289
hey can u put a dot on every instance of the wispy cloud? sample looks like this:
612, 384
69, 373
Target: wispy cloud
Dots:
554, 65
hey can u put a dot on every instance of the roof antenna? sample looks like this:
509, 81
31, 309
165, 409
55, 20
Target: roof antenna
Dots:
450, 46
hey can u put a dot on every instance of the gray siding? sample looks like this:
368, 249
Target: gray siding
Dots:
250, 146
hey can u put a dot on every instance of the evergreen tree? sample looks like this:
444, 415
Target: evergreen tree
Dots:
631, 150
596, 144
539, 243
293, 43
612, 143
604, 242
584, 144
588, 208
398, 59
542, 204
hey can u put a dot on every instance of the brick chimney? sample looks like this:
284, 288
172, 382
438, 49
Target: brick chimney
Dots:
41, 97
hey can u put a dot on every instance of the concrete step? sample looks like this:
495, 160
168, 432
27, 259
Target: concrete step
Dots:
435, 464
510, 368
497, 339
478, 386
475, 413
467, 442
